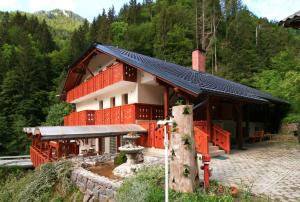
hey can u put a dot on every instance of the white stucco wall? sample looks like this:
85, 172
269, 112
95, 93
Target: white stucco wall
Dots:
91, 104
150, 94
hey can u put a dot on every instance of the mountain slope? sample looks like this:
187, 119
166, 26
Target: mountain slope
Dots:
60, 19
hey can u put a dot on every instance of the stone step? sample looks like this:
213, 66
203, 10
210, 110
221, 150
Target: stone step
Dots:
213, 148
210, 144
216, 153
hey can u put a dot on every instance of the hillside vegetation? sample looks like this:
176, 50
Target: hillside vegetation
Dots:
35, 54
50, 182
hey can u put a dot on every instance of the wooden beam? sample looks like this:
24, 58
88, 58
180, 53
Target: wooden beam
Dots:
166, 101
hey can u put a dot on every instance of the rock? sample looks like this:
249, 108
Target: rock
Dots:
90, 185
103, 198
140, 157
74, 176
87, 198
110, 193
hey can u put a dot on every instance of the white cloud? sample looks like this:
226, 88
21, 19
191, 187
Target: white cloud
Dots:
36, 5
9, 5
273, 9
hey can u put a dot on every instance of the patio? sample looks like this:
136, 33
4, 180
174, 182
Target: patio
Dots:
270, 168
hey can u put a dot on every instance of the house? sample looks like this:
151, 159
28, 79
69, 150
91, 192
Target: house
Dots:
115, 91
292, 21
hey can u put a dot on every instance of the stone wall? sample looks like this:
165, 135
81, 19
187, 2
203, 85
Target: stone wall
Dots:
95, 187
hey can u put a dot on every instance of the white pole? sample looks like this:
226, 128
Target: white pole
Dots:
166, 142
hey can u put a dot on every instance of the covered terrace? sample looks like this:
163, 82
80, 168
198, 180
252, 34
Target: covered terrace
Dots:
55, 142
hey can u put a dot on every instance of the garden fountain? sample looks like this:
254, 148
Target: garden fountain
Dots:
131, 150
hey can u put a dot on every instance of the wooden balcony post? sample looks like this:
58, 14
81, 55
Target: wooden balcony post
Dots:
166, 101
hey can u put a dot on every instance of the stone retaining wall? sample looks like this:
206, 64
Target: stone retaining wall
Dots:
95, 187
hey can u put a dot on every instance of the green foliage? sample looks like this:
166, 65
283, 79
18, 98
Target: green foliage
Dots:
186, 110
282, 79
186, 171
148, 185
51, 180
174, 127
120, 158
56, 114
187, 141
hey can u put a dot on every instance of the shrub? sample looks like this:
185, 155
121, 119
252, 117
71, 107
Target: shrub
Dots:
146, 185
120, 158
49, 181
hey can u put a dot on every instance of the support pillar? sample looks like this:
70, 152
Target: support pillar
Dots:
166, 101
118, 142
209, 120
239, 128
100, 145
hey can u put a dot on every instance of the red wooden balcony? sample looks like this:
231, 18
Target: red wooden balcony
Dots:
116, 115
109, 76
81, 118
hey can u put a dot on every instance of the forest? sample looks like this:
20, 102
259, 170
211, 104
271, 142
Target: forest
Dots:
34, 57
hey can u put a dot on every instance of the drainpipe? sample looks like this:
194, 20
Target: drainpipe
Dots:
166, 144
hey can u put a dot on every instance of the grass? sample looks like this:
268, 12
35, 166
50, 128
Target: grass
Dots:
147, 185
49, 182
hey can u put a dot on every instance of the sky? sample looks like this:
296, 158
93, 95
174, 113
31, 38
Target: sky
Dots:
271, 9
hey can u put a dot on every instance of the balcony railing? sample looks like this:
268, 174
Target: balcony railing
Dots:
113, 74
81, 118
116, 115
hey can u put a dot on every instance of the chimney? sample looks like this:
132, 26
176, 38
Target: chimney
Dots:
198, 61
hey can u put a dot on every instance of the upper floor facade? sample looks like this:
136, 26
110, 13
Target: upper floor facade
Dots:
110, 91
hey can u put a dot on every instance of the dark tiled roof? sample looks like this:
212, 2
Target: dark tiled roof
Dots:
291, 21
186, 78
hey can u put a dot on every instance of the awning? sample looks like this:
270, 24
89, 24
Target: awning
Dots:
80, 132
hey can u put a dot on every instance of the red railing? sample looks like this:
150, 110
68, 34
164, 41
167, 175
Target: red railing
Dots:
201, 140
154, 137
81, 118
37, 157
109, 76
116, 115
221, 138
201, 125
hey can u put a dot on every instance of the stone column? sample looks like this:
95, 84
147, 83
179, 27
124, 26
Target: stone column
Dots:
183, 166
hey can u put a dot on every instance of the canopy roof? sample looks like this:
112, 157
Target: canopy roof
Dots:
193, 82
80, 132
291, 21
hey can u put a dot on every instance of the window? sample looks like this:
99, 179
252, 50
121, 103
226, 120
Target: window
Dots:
112, 102
101, 104
125, 99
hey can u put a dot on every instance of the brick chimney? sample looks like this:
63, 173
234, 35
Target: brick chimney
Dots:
198, 61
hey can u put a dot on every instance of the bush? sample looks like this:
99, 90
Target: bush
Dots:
148, 185
49, 181
292, 118
120, 158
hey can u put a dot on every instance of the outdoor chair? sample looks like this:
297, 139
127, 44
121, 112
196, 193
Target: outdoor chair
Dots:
257, 136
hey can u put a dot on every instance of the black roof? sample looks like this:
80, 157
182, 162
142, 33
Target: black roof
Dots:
186, 78
291, 21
